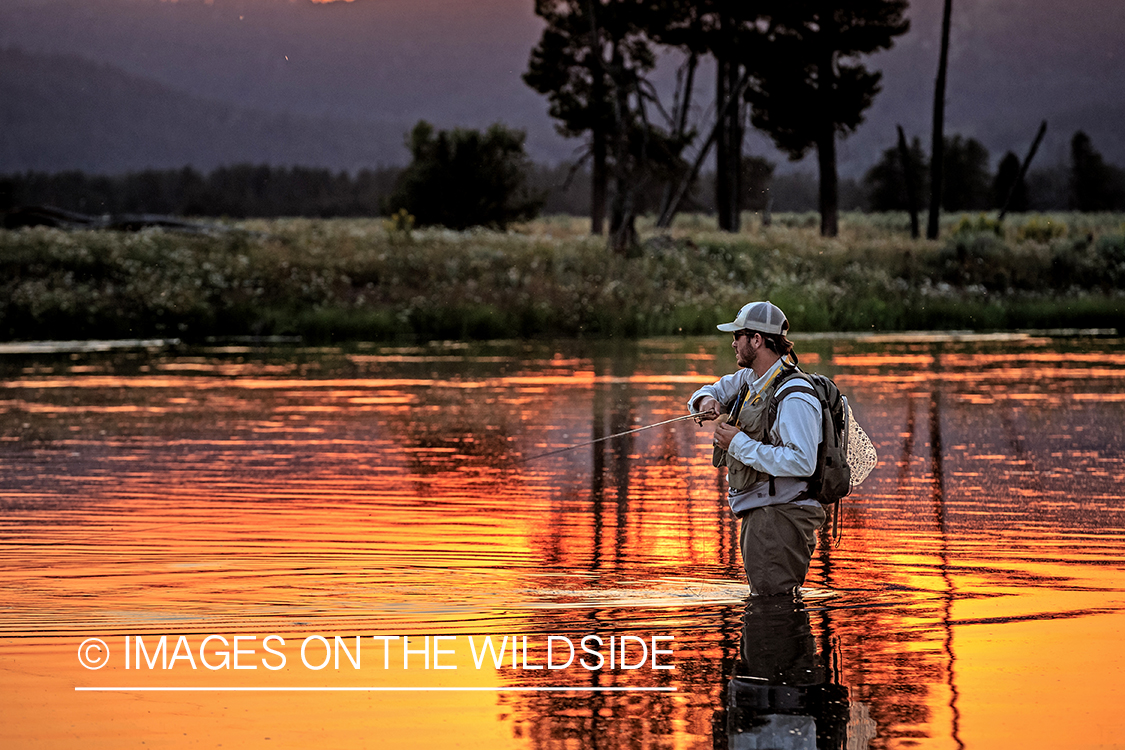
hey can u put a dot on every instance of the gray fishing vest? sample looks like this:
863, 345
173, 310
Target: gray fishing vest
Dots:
753, 421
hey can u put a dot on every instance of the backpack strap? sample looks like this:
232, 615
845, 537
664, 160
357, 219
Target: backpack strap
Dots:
775, 402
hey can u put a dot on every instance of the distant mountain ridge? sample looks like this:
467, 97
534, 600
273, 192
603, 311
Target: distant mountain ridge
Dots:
61, 112
295, 81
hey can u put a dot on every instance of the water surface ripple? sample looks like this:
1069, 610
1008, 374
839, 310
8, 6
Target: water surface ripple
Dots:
976, 598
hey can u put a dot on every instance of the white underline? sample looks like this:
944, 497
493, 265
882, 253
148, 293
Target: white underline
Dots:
556, 689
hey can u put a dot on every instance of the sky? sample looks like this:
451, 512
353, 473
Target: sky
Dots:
458, 62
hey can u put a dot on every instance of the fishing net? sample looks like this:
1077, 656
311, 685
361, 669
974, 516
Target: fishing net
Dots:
862, 457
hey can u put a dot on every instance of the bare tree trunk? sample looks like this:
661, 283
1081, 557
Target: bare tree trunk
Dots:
598, 183
826, 142
722, 145
908, 177
937, 147
728, 152
626, 169
829, 183
684, 104
598, 133
734, 150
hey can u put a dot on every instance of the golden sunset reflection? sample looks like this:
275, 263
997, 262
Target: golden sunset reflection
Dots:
975, 599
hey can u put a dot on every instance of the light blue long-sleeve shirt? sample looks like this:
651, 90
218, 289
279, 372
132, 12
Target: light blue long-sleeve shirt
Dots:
796, 433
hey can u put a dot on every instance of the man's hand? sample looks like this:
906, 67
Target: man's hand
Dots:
709, 409
724, 433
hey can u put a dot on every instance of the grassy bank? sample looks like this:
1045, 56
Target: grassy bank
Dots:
354, 279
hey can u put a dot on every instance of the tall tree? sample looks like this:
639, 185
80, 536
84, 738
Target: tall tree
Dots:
937, 155
1094, 185
721, 28
727, 38
809, 83
593, 63
568, 67
967, 184
725, 29
7, 193
910, 173
886, 182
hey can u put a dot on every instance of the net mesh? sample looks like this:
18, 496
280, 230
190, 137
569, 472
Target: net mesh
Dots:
862, 457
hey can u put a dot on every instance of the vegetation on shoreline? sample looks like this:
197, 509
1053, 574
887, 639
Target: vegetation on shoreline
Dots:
366, 279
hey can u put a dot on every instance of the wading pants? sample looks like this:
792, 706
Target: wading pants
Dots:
777, 543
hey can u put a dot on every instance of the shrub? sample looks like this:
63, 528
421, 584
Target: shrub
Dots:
1041, 229
982, 223
464, 178
985, 260
1110, 252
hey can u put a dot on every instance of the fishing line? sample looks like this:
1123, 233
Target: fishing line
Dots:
611, 437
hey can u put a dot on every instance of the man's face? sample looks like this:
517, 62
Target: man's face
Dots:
746, 346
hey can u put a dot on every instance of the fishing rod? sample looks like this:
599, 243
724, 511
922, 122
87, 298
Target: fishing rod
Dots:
700, 417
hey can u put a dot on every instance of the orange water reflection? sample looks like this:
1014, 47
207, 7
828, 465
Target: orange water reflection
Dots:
976, 598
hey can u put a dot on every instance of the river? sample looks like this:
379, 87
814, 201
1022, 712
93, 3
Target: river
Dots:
280, 546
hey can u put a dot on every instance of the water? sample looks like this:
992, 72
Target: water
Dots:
975, 600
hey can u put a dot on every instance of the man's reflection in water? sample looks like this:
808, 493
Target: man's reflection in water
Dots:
783, 693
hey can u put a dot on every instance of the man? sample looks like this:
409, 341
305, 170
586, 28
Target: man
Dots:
767, 466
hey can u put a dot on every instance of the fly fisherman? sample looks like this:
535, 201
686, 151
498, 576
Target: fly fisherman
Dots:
767, 468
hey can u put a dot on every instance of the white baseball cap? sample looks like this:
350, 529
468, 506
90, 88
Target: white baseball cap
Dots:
764, 317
